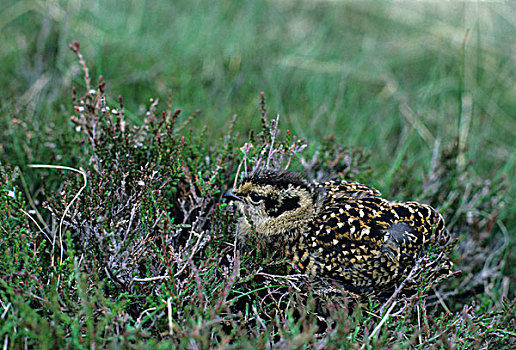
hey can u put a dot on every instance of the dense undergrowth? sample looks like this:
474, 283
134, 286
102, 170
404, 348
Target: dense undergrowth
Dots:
135, 247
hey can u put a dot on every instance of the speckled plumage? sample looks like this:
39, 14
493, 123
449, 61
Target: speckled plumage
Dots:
337, 230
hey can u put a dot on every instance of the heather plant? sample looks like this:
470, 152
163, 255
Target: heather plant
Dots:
136, 248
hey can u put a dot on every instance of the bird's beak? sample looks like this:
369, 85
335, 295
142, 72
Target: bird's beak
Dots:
232, 197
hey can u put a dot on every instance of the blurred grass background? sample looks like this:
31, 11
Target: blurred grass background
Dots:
391, 78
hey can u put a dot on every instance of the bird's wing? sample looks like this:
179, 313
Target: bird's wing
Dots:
361, 220
370, 218
370, 241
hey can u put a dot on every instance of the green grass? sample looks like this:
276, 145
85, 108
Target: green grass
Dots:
401, 82
326, 67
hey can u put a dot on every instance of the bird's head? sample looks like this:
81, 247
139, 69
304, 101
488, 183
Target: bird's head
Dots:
273, 203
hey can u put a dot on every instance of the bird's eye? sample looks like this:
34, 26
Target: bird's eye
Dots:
255, 198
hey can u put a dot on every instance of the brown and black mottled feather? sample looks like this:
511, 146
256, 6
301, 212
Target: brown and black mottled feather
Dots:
338, 230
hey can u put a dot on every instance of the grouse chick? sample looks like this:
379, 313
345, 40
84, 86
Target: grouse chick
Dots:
337, 230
